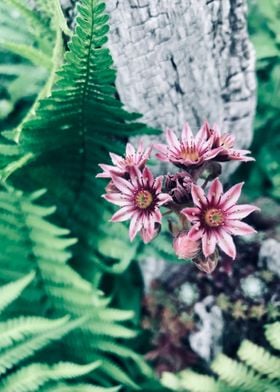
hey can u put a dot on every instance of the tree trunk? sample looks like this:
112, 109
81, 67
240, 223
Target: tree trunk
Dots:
185, 60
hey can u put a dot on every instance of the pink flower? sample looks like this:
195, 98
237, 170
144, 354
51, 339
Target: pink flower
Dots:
217, 217
226, 143
184, 247
122, 166
139, 199
189, 150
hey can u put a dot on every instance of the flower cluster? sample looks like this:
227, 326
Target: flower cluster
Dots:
207, 220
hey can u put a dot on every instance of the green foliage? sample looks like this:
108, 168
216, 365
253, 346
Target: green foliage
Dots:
22, 337
60, 141
30, 242
264, 26
257, 370
73, 131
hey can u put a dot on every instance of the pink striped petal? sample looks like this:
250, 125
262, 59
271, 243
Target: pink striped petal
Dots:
236, 227
215, 191
123, 185
158, 184
117, 199
195, 233
225, 242
198, 196
157, 215
108, 171
162, 148
216, 130
135, 226
116, 159
148, 234
123, 214
162, 157
230, 198
187, 135
171, 138
237, 155
202, 134
135, 174
208, 244
140, 148
130, 150
148, 177
240, 211
212, 153
163, 198
192, 213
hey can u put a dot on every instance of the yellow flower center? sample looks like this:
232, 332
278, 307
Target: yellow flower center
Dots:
214, 217
189, 153
143, 199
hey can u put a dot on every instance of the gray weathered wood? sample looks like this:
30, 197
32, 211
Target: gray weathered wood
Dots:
185, 60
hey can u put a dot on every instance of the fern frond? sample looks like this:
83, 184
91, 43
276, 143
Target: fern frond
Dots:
29, 240
34, 376
11, 291
236, 374
259, 359
73, 131
194, 382
272, 334
24, 349
15, 330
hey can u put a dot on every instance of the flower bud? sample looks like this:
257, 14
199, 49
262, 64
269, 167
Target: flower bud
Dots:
179, 186
184, 247
207, 264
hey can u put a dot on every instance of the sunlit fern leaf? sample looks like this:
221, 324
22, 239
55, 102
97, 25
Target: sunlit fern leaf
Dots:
237, 374
259, 359
272, 334
11, 291
18, 329
34, 376
18, 352
75, 128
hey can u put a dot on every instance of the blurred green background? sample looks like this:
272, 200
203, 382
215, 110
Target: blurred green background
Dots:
263, 176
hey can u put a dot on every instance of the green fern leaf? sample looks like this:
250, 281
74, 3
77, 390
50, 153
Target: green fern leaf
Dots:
13, 355
33, 377
272, 334
259, 359
236, 374
73, 130
11, 291
16, 330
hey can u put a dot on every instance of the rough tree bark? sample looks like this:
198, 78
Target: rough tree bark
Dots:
185, 60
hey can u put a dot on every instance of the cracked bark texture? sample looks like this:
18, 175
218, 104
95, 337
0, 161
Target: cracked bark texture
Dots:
185, 60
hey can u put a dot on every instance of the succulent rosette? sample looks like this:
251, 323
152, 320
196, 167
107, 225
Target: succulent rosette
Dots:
216, 217
139, 199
